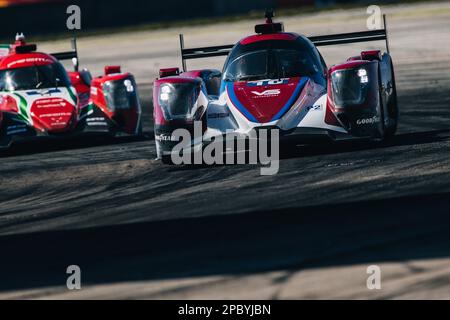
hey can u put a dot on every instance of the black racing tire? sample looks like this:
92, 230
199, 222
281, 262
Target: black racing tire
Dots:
384, 130
384, 135
392, 130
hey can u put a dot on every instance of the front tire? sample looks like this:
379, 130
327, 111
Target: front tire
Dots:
393, 108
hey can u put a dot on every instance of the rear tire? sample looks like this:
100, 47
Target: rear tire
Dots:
383, 135
393, 107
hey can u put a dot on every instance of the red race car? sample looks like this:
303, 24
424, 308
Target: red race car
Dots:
39, 98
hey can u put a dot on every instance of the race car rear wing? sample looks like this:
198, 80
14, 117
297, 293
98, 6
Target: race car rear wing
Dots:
70, 55
318, 41
204, 52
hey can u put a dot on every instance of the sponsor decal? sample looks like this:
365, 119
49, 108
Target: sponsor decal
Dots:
314, 108
11, 130
30, 60
50, 103
99, 121
97, 124
53, 115
43, 92
166, 137
374, 120
261, 83
267, 93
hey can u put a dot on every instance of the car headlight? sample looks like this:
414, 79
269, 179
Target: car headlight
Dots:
165, 92
350, 87
120, 94
178, 100
362, 74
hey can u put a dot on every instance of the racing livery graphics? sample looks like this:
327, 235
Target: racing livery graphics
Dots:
279, 80
38, 97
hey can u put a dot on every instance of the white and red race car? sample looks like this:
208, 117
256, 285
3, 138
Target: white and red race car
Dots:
277, 79
39, 98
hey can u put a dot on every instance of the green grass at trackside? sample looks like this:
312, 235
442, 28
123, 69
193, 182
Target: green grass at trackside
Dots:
205, 21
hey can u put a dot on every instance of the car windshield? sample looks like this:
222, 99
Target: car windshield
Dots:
272, 60
35, 77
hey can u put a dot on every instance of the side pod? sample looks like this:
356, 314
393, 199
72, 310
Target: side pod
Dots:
178, 102
354, 97
115, 94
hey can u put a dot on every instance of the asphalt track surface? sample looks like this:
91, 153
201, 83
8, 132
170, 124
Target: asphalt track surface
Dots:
142, 230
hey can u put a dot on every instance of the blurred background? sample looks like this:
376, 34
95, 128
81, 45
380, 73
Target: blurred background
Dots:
38, 17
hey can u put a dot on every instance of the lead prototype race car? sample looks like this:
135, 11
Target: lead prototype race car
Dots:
276, 79
39, 98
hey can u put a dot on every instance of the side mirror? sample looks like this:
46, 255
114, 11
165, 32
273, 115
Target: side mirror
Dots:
371, 55
164, 73
112, 70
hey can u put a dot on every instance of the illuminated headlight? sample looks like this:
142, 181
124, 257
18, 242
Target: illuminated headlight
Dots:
129, 85
165, 93
178, 100
362, 73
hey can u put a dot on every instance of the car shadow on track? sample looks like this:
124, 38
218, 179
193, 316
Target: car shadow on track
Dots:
406, 139
400, 229
52, 145
329, 148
